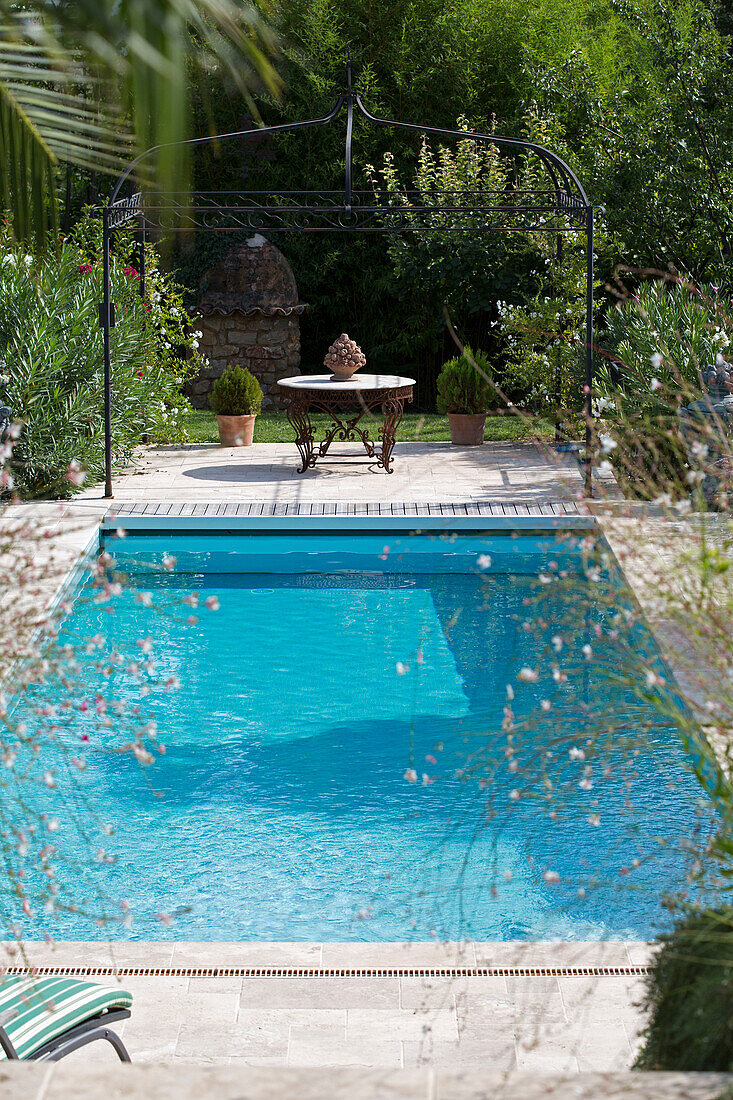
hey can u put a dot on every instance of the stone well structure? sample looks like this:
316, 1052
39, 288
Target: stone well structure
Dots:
250, 317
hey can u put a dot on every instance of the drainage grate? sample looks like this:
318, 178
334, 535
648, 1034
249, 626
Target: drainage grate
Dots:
335, 972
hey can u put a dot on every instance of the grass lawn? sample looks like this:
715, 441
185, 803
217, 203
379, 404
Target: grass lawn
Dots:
273, 427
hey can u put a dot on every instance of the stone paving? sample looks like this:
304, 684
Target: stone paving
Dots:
574, 1022
267, 472
69, 1080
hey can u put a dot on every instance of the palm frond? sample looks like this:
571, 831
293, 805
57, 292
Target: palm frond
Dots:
50, 113
146, 52
27, 165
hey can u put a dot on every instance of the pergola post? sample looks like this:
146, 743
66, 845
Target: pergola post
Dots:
106, 320
589, 271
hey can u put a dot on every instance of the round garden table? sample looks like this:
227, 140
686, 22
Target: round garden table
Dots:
346, 403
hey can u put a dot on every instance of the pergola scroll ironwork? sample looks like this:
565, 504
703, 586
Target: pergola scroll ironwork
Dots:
561, 206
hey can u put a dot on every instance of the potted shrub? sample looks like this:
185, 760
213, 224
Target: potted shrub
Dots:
464, 393
236, 398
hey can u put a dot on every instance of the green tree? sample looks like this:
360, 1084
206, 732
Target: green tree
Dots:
652, 132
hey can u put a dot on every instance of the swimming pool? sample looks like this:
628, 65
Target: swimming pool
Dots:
339, 762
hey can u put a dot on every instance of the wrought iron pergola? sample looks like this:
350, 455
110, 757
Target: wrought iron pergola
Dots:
559, 207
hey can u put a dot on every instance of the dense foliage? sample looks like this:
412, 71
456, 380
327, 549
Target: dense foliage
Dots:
660, 344
662, 338
653, 143
236, 393
51, 361
464, 384
689, 997
632, 92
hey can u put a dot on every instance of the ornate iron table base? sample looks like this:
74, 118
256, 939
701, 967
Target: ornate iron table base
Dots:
346, 409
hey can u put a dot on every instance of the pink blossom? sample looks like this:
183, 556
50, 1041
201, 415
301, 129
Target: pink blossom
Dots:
75, 474
527, 675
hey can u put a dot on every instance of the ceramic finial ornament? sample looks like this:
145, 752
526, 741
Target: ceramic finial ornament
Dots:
343, 358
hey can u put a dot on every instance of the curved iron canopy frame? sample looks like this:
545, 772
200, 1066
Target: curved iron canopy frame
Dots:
562, 208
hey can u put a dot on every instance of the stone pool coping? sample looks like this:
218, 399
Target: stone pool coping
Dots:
71, 1080
177, 955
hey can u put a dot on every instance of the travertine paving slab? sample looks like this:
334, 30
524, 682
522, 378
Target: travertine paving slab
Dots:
87, 953
69, 1081
398, 954
523, 953
321, 993
324, 1050
203, 1040
246, 954
407, 1025
489, 1053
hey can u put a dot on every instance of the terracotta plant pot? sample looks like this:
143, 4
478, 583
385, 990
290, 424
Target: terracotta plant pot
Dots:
467, 429
236, 431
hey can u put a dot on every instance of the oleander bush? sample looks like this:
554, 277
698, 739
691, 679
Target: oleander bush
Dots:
51, 360
661, 338
236, 393
463, 384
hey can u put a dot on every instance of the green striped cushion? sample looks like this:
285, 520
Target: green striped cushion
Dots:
35, 1010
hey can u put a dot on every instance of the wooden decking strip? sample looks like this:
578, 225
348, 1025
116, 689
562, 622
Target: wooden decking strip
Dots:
543, 509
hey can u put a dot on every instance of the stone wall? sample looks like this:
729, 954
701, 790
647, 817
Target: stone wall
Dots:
269, 345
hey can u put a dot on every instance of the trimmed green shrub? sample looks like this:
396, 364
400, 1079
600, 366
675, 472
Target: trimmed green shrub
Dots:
463, 384
689, 997
236, 393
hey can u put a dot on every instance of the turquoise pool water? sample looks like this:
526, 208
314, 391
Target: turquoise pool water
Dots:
335, 666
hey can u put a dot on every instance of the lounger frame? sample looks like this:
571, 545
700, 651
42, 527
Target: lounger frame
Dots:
79, 1036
